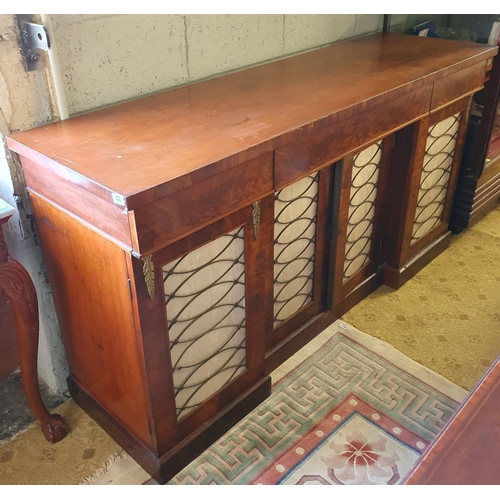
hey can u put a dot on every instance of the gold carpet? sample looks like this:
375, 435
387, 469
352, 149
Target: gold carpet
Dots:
447, 318
30, 459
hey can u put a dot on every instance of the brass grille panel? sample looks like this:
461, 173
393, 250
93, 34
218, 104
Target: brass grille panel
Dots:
364, 183
294, 245
205, 301
435, 177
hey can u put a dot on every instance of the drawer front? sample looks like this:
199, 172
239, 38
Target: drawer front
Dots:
301, 158
459, 84
181, 213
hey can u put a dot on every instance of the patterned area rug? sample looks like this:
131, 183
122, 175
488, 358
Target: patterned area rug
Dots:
349, 409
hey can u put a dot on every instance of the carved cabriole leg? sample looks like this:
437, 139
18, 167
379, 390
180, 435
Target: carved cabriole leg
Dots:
17, 284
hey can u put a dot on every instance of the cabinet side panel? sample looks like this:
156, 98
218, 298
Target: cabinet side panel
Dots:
88, 276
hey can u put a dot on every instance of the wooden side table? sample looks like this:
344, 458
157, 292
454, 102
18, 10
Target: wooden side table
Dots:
17, 284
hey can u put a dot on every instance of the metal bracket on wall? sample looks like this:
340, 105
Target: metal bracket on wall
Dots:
33, 39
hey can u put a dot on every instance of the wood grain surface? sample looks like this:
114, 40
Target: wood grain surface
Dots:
147, 148
89, 280
162, 175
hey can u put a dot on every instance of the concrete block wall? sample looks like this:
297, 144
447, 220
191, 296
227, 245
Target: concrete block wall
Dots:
25, 102
109, 58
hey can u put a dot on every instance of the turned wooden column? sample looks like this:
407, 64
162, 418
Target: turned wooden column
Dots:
17, 284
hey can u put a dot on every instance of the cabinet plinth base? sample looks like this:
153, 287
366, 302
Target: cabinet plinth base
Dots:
358, 294
298, 339
138, 451
395, 278
163, 468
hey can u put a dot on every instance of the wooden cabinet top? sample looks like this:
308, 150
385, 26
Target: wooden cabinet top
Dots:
147, 148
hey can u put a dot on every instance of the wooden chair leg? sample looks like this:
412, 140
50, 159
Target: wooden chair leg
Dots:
17, 284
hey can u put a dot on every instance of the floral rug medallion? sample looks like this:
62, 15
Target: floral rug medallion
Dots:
353, 445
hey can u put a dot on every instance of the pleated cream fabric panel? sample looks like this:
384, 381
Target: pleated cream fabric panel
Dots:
294, 243
364, 185
435, 177
205, 300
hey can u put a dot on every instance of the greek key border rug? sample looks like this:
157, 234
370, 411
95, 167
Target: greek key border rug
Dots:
347, 409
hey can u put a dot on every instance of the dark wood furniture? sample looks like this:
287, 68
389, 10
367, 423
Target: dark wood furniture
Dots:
467, 450
198, 237
478, 187
16, 283
9, 360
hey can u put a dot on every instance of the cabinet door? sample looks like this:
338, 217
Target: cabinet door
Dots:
202, 319
434, 177
300, 222
356, 249
435, 186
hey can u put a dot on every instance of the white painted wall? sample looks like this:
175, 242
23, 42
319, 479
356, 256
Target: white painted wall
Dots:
105, 59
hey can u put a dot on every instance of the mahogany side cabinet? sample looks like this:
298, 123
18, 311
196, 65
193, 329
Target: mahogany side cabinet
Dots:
196, 238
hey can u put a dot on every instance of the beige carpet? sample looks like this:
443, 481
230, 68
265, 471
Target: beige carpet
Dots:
30, 459
447, 317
